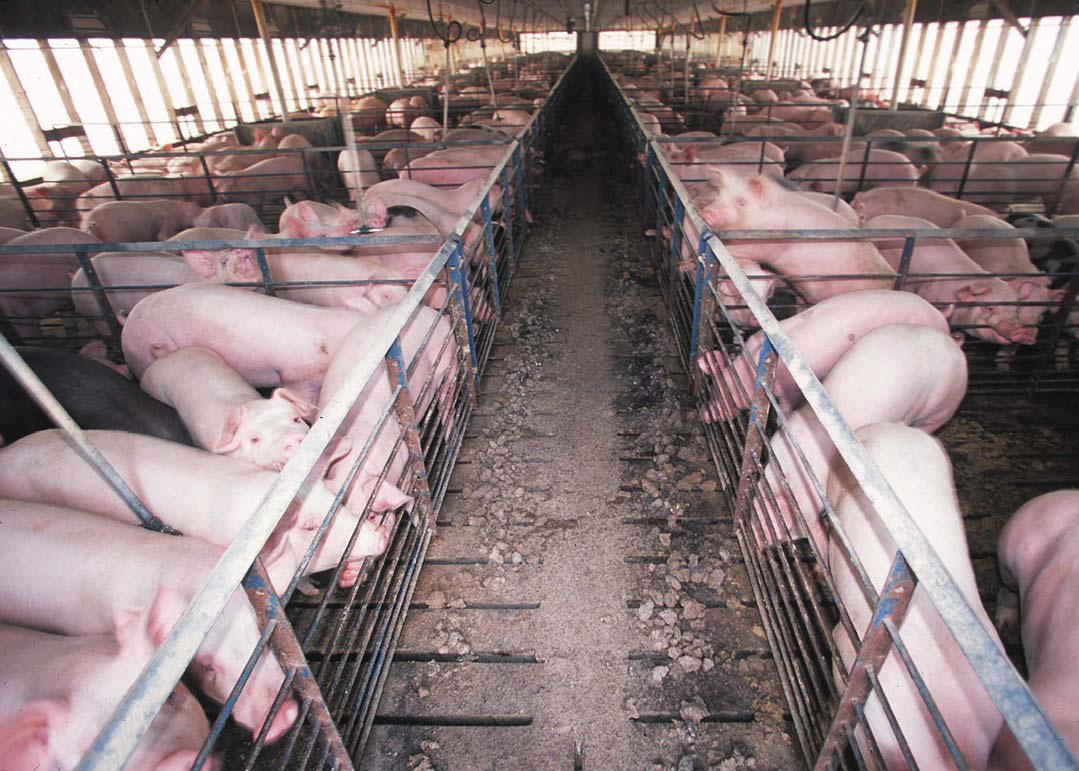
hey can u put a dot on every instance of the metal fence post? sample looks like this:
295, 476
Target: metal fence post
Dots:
492, 254
509, 214
892, 606
290, 656
405, 411
104, 305
458, 288
264, 270
522, 200
704, 303
758, 417
209, 178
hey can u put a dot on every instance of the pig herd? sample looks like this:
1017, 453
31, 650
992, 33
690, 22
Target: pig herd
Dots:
896, 373
226, 383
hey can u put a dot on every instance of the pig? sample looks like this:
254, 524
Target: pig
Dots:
363, 285
884, 168
233, 323
154, 220
368, 113
1038, 554
57, 692
234, 216
764, 96
430, 354
1058, 139
39, 271
843, 209
358, 170
428, 128
8, 234
812, 332
988, 309
947, 176
1010, 255
265, 182
898, 373
456, 200
223, 413
764, 282
94, 396
651, 124
201, 494
761, 202
998, 185
310, 219
454, 166
82, 586
53, 200
13, 215
916, 467
159, 270
745, 158
143, 186
376, 211
400, 113
939, 209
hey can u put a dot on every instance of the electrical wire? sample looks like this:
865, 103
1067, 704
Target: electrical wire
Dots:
825, 38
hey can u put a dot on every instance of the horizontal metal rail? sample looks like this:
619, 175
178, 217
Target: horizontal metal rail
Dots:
1011, 695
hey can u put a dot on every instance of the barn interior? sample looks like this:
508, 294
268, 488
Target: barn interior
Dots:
539, 384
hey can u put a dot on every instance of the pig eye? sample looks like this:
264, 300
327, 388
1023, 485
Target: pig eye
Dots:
255, 440
297, 420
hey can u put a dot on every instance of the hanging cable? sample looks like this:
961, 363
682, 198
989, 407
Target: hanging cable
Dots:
699, 35
498, 27
449, 35
483, 51
825, 38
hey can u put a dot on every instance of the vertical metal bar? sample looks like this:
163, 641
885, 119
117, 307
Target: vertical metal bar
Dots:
492, 254
772, 39
405, 411
894, 601
19, 94
209, 178
264, 271
510, 214
758, 417
848, 131
398, 66
459, 279
290, 656
966, 168
37, 390
15, 183
104, 305
702, 290
908, 23
904, 262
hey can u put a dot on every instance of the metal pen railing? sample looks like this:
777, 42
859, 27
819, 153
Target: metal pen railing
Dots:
831, 696
335, 649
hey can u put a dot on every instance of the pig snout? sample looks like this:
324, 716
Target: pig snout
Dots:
373, 540
282, 721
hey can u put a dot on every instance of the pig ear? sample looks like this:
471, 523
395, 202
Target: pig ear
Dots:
1024, 287
307, 213
713, 176
757, 186
24, 739
229, 441
242, 262
202, 262
303, 407
337, 452
389, 498
968, 292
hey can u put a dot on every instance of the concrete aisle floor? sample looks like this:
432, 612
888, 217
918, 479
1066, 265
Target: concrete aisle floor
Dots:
584, 604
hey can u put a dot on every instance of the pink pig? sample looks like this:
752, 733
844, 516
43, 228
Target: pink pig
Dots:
153, 220
223, 413
81, 588
201, 494
1038, 553
898, 373
57, 692
813, 333
917, 469
939, 209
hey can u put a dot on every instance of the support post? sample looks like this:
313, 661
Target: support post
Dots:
396, 46
772, 39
